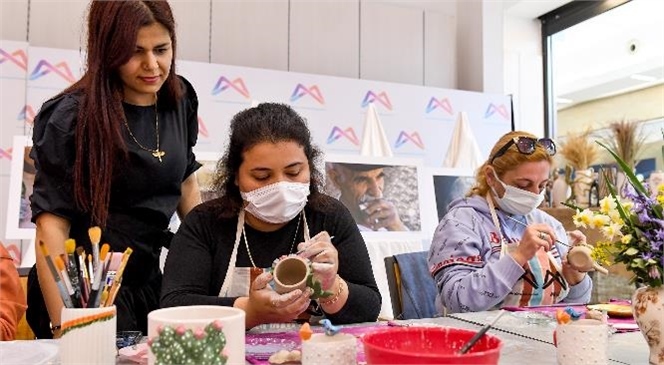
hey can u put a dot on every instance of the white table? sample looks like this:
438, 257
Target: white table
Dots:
624, 348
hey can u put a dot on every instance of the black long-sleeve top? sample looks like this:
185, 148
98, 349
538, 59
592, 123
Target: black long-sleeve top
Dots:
200, 252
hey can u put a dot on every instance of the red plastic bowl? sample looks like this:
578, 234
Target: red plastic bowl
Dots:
428, 345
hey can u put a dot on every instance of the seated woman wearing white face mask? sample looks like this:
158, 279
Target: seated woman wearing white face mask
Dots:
494, 248
270, 204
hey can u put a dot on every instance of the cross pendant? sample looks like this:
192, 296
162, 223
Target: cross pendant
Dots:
158, 154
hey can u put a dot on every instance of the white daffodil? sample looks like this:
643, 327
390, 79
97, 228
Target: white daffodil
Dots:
607, 205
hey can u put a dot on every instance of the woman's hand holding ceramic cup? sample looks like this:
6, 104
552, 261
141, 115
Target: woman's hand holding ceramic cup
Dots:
578, 260
267, 304
323, 256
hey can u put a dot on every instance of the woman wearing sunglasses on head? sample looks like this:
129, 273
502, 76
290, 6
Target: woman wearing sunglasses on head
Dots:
494, 248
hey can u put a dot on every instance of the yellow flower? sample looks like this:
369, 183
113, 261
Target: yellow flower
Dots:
599, 221
626, 239
607, 205
611, 230
615, 218
660, 188
583, 218
600, 253
660, 198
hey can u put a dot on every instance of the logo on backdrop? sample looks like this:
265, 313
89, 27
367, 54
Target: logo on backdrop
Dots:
44, 68
27, 114
313, 91
6, 153
337, 133
442, 105
18, 57
202, 128
236, 85
377, 98
493, 109
411, 138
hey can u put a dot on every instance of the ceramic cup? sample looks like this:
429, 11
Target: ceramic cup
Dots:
205, 322
585, 341
290, 273
579, 258
88, 336
340, 349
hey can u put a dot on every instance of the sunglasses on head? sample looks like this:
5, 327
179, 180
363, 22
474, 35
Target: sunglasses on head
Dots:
526, 145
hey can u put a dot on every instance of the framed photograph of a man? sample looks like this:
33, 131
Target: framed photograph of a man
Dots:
21, 181
382, 194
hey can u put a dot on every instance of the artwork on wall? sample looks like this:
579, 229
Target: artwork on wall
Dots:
382, 194
443, 185
205, 174
22, 178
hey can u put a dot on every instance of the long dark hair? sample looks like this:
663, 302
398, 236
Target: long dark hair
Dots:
113, 27
267, 122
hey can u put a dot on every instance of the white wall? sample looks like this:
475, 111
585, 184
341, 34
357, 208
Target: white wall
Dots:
523, 72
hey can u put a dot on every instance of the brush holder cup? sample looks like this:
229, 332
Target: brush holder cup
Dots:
88, 336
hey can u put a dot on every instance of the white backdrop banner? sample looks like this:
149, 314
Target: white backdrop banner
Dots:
418, 121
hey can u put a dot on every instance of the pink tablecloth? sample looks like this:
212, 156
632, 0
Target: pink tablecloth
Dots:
259, 346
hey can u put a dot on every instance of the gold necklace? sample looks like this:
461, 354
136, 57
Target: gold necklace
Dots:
246, 243
157, 153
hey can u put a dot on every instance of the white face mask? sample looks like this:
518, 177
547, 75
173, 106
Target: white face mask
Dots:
517, 201
277, 203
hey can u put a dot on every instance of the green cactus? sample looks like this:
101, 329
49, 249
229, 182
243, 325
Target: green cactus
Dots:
180, 346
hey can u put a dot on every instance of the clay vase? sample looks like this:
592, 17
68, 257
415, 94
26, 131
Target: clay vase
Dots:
582, 183
648, 310
560, 191
290, 273
579, 258
655, 180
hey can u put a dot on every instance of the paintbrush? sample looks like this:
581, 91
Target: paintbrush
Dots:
70, 249
60, 264
480, 333
85, 278
95, 236
51, 267
95, 295
117, 281
525, 225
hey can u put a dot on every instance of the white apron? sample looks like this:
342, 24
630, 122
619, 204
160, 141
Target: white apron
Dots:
237, 281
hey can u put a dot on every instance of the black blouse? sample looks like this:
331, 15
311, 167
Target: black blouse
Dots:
145, 192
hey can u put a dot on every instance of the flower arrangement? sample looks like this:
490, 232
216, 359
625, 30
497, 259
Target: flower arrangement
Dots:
633, 226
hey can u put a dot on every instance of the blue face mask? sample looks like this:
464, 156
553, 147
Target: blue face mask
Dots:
517, 201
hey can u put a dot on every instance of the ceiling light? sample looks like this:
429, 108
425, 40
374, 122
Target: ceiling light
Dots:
645, 78
563, 101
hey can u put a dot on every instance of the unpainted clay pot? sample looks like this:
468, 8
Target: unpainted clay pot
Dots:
579, 258
291, 273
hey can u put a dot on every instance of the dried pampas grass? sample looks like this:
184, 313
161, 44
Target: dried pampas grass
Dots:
579, 150
626, 140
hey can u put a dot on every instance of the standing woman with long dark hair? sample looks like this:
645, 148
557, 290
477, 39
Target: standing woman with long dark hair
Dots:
115, 150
